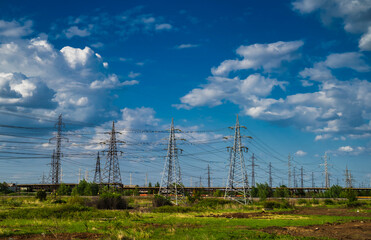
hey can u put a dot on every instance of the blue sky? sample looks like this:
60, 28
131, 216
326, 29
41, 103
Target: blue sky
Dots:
297, 73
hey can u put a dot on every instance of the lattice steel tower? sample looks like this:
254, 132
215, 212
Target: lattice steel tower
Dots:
171, 182
327, 178
289, 171
112, 174
55, 171
97, 174
237, 184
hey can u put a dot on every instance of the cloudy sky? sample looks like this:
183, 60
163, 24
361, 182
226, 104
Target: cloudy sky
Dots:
297, 73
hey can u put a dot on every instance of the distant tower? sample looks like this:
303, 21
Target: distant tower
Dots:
270, 174
112, 174
97, 174
302, 177
313, 180
295, 183
57, 154
171, 182
327, 179
253, 165
289, 171
208, 176
237, 185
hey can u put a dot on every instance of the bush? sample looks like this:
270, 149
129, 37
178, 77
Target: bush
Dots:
302, 201
333, 192
264, 191
274, 204
354, 204
111, 201
351, 195
4, 188
41, 195
159, 201
212, 202
282, 192
314, 201
218, 193
64, 190
328, 202
75, 200
59, 201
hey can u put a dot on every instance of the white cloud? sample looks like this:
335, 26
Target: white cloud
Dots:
163, 26
76, 31
300, 153
15, 28
111, 82
188, 45
346, 149
355, 15
353, 60
322, 137
133, 75
256, 56
76, 56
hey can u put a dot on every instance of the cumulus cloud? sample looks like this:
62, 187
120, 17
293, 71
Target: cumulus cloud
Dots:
346, 149
34, 76
300, 153
245, 91
15, 28
354, 14
163, 26
256, 56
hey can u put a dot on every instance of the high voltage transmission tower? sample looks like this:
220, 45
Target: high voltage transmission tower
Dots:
295, 183
348, 178
208, 176
253, 165
313, 180
270, 174
302, 177
97, 174
237, 185
327, 179
55, 171
171, 182
289, 171
112, 174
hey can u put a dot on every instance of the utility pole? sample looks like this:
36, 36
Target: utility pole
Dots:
208, 176
97, 174
313, 180
57, 154
146, 183
171, 182
86, 175
253, 165
295, 183
79, 175
289, 171
270, 174
112, 174
302, 179
327, 181
237, 184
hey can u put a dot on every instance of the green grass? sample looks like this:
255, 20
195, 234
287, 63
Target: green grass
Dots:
169, 222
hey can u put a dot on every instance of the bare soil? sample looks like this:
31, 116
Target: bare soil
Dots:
360, 230
59, 236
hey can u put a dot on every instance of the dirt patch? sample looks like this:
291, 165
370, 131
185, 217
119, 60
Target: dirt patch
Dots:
360, 230
326, 211
235, 215
59, 236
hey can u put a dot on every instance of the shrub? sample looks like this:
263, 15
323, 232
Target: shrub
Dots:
274, 204
333, 192
212, 202
59, 201
111, 201
264, 191
314, 201
4, 188
282, 192
41, 195
159, 201
218, 193
302, 201
351, 195
64, 190
354, 204
328, 202
75, 200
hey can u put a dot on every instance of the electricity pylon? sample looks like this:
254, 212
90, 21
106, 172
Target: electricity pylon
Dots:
289, 171
171, 182
237, 184
302, 178
253, 165
112, 174
57, 153
208, 176
327, 180
97, 174
270, 174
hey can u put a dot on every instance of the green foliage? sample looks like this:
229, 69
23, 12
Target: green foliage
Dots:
277, 204
302, 201
212, 202
314, 201
159, 201
85, 189
218, 193
109, 200
282, 192
254, 192
264, 191
76, 200
351, 195
64, 190
333, 192
41, 195
4, 188
328, 202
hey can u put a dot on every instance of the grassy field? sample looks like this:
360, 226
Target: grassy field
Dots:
71, 218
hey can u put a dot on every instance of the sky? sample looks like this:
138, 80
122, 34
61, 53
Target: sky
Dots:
296, 72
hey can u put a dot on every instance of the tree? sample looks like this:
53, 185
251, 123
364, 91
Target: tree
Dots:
63, 189
264, 191
282, 192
